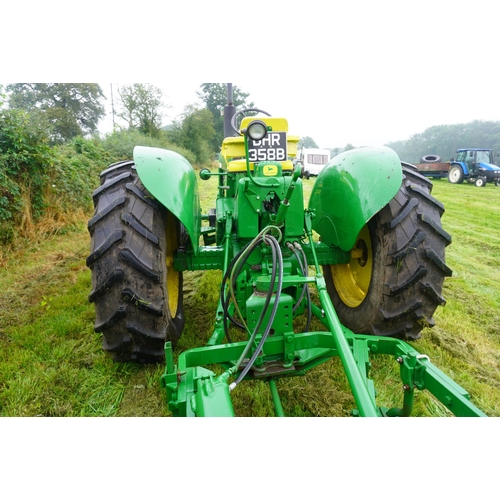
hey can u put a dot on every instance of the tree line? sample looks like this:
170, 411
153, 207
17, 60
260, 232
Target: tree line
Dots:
440, 140
444, 140
51, 153
68, 110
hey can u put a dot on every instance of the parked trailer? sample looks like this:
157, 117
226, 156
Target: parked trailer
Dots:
473, 165
436, 169
313, 159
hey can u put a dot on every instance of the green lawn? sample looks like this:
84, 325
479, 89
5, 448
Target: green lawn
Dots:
51, 362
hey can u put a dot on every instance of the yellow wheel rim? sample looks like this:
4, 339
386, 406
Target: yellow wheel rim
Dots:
352, 280
172, 281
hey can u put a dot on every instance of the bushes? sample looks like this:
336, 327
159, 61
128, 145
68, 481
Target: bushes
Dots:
25, 158
195, 131
35, 177
120, 145
75, 174
55, 182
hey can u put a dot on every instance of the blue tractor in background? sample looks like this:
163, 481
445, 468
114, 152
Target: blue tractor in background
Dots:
474, 165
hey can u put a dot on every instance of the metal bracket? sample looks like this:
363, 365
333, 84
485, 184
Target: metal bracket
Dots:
412, 370
288, 349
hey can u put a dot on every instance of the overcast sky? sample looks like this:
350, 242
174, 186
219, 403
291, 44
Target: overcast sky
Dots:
357, 109
364, 73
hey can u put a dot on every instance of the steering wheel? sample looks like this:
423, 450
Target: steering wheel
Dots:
242, 112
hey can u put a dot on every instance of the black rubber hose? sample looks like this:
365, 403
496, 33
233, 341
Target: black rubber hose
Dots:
225, 300
271, 288
276, 250
229, 269
250, 247
253, 336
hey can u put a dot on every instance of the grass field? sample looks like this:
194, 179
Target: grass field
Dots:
51, 362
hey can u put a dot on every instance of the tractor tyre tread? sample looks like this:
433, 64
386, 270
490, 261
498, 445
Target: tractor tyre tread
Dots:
408, 245
128, 267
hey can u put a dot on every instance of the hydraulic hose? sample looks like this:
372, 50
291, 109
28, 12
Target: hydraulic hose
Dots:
232, 272
253, 336
224, 299
240, 262
276, 253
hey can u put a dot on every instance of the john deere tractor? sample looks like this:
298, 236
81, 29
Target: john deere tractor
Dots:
370, 242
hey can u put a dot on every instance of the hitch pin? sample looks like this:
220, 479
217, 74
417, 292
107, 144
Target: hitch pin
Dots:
423, 356
418, 356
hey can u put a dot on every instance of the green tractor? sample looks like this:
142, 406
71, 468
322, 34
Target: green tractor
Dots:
370, 242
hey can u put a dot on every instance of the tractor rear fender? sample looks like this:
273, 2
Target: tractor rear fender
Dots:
350, 190
171, 179
465, 168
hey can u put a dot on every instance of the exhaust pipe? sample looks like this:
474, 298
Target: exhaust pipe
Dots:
229, 112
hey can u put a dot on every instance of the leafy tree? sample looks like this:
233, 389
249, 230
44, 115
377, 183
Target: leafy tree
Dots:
214, 95
195, 131
307, 142
142, 107
69, 109
444, 140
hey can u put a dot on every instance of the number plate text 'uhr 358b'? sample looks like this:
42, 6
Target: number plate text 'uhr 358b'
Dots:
272, 148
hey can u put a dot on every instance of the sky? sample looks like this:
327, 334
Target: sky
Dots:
367, 73
336, 111
364, 73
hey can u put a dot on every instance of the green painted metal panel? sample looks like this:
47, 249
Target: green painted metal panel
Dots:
350, 190
250, 200
212, 398
246, 215
171, 179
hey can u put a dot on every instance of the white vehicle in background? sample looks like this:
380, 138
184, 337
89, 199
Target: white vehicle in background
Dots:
313, 160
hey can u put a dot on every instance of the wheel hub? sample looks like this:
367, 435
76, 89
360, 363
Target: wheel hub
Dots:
352, 280
172, 279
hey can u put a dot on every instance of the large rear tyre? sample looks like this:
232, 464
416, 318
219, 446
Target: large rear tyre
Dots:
393, 284
456, 174
135, 289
